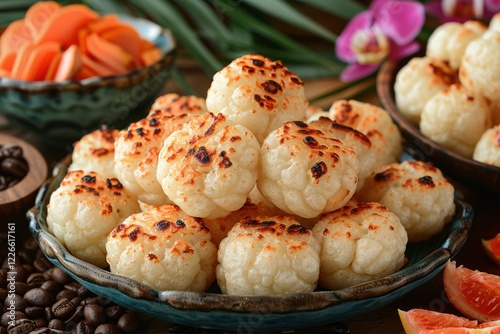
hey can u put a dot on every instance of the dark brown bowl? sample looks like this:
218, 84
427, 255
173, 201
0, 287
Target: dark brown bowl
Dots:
471, 173
16, 200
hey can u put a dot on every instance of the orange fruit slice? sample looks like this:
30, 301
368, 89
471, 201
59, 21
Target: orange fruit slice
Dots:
492, 248
15, 35
21, 59
126, 37
96, 67
109, 54
50, 75
420, 321
39, 60
150, 56
423, 321
7, 60
64, 24
474, 293
103, 23
70, 64
38, 14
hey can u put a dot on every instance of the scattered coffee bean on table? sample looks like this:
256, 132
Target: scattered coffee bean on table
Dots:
48, 301
13, 166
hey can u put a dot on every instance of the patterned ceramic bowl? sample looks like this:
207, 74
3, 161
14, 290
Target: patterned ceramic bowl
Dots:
62, 112
251, 313
472, 173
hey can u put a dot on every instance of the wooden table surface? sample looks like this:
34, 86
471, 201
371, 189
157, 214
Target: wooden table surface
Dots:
430, 295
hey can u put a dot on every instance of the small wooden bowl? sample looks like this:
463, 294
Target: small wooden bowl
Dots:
17, 200
474, 174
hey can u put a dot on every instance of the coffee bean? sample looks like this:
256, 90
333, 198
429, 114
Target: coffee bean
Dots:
17, 301
51, 286
25, 255
39, 297
67, 294
21, 288
41, 264
77, 300
35, 278
83, 292
8, 317
40, 322
59, 276
3, 330
94, 314
63, 308
56, 324
42, 330
73, 286
47, 314
107, 329
77, 315
22, 326
59, 331
21, 273
11, 150
84, 328
33, 312
128, 323
114, 312
16, 168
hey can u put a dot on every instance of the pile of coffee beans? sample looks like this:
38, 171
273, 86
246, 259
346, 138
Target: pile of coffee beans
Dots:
13, 166
37, 297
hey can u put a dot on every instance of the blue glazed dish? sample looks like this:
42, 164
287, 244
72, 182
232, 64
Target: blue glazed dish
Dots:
59, 113
250, 313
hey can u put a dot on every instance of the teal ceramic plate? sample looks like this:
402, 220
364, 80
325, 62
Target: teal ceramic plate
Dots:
217, 311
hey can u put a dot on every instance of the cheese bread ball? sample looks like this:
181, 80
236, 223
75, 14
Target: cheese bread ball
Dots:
416, 192
358, 244
220, 227
209, 166
495, 23
449, 40
305, 171
313, 113
357, 140
164, 248
487, 149
257, 93
456, 119
136, 154
95, 152
419, 80
175, 104
375, 123
268, 255
480, 68
84, 209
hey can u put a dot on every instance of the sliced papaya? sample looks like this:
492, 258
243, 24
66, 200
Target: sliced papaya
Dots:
39, 60
7, 60
70, 64
150, 56
50, 75
109, 54
103, 23
97, 67
63, 25
21, 60
15, 35
38, 14
85, 72
127, 38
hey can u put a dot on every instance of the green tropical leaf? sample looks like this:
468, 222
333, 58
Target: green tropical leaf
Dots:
7, 17
107, 6
345, 9
11, 5
167, 15
249, 22
283, 11
206, 18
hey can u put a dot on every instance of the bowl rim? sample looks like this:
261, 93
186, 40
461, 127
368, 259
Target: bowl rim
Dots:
385, 89
35, 86
37, 171
421, 270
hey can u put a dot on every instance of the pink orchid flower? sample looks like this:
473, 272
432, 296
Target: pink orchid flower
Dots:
463, 10
387, 29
